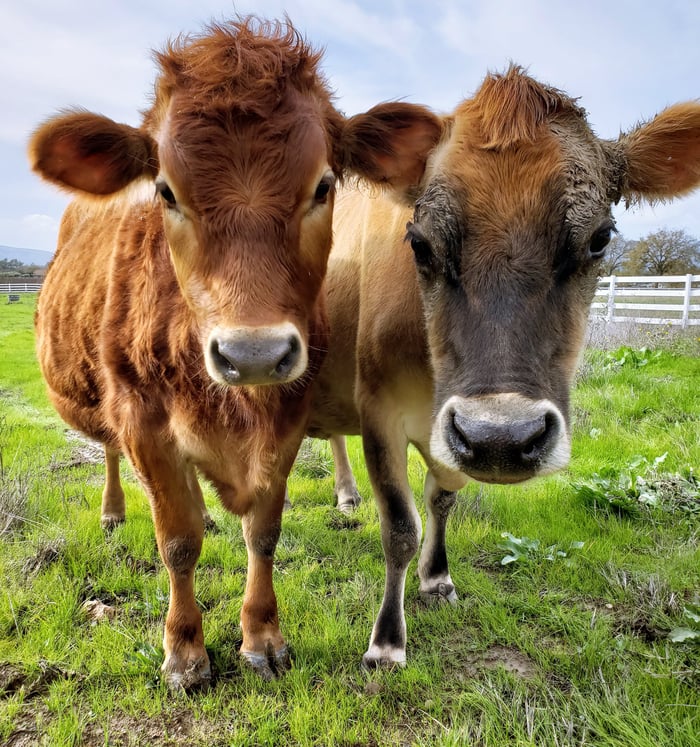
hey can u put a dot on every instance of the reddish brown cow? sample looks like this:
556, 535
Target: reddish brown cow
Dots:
457, 321
185, 328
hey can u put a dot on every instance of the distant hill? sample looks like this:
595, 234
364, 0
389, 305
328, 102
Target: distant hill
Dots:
26, 256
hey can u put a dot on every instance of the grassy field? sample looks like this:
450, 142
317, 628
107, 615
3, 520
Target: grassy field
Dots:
577, 624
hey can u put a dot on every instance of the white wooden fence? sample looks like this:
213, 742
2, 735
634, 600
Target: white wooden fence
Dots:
667, 299
20, 287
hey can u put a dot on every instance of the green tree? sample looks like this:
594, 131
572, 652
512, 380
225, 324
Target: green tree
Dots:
664, 252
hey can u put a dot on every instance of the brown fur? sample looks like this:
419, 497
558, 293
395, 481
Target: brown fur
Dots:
144, 293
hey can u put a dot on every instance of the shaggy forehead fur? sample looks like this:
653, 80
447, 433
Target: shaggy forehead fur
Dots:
512, 108
244, 66
522, 154
241, 113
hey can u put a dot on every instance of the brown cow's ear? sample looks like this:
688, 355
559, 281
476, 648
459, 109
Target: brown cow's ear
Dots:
91, 153
662, 157
390, 145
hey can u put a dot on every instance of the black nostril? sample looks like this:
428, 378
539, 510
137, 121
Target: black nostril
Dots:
534, 441
460, 440
289, 358
223, 361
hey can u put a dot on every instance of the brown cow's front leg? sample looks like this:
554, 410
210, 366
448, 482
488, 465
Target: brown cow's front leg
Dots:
435, 581
263, 647
179, 529
346, 493
401, 532
113, 510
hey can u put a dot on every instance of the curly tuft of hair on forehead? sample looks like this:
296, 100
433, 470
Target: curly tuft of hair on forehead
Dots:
511, 108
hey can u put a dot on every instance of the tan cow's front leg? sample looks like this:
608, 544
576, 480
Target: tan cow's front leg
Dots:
385, 454
179, 529
263, 647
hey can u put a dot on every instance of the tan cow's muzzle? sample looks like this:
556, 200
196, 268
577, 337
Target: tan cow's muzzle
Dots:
500, 438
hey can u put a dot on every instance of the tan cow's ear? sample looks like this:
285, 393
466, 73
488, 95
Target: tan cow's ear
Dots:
390, 145
662, 157
91, 153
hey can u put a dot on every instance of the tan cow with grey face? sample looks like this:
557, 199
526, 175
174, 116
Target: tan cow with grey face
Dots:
458, 304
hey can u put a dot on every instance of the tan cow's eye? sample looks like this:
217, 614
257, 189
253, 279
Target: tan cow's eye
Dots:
166, 193
422, 251
599, 241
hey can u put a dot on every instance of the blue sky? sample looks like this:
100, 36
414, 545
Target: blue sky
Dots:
626, 60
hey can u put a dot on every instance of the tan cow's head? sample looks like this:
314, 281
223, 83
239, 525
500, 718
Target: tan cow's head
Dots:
243, 147
511, 221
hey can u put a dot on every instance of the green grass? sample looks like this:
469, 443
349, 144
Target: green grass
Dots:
550, 649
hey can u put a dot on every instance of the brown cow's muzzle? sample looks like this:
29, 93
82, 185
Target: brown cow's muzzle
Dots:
255, 356
500, 438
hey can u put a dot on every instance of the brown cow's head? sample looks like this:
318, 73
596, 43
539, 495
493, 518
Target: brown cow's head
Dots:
512, 220
243, 146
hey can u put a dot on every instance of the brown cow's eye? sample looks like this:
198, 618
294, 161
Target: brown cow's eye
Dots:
166, 193
323, 190
599, 241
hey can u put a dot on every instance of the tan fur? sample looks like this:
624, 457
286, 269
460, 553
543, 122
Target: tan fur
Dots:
479, 337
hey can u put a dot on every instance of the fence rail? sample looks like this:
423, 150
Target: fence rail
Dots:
20, 287
667, 299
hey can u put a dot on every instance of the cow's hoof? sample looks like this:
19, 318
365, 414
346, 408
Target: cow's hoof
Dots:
383, 658
439, 594
196, 676
110, 522
269, 665
347, 501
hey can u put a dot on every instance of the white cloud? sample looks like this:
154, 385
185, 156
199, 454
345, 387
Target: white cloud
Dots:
626, 60
34, 231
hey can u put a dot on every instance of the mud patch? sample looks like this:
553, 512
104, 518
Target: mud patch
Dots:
339, 521
84, 452
33, 683
46, 554
178, 729
502, 657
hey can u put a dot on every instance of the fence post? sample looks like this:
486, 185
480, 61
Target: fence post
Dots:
611, 299
686, 301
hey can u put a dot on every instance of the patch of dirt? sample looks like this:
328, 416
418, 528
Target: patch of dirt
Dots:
504, 657
30, 684
45, 555
176, 730
339, 521
97, 611
84, 452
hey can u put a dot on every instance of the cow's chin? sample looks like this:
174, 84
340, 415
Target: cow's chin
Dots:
500, 438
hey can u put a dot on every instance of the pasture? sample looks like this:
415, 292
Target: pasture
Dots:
579, 595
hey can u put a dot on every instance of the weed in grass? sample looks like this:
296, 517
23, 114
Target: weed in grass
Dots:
524, 549
691, 630
631, 357
640, 489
